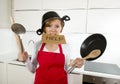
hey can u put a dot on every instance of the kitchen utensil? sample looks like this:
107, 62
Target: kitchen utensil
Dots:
92, 42
92, 54
18, 29
92, 48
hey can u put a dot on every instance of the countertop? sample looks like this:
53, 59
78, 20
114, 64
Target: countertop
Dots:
8, 58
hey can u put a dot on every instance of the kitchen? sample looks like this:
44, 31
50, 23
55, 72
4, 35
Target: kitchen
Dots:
87, 17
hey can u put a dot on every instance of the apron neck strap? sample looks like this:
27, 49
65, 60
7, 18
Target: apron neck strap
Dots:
60, 47
43, 44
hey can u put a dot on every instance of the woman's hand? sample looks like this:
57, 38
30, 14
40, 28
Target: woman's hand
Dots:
23, 56
78, 62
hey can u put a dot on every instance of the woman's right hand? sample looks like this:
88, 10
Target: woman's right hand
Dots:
25, 54
22, 56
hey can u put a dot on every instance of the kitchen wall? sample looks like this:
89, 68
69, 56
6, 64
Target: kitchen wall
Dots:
7, 41
95, 17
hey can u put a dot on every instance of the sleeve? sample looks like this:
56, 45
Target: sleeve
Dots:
32, 63
68, 55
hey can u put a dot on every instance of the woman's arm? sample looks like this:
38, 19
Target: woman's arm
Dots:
32, 63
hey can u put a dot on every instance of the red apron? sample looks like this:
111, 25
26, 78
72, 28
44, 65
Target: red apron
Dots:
51, 69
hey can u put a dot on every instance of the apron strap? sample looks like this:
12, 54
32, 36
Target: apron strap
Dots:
60, 47
42, 46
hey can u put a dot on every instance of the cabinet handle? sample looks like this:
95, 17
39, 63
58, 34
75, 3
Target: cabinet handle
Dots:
104, 82
115, 82
93, 79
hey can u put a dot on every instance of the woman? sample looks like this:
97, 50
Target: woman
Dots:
50, 61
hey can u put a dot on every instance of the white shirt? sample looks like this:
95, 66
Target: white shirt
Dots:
33, 63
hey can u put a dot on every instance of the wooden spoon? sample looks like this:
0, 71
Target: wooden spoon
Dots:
93, 54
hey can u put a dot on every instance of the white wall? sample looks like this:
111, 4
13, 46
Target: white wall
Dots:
7, 41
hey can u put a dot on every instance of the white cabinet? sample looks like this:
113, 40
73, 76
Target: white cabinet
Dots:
104, 3
3, 73
27, 4
31, 20
75, 78
5, 12
103, 21
18, 74
64, 4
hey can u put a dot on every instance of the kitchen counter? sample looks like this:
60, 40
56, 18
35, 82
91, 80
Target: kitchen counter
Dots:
91, 70
8, 58
77, 71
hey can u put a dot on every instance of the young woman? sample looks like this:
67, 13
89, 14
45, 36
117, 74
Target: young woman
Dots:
50, 61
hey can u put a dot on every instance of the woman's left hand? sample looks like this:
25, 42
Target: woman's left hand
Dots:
78, 62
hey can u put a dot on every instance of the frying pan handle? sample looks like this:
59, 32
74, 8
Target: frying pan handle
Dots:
71, 69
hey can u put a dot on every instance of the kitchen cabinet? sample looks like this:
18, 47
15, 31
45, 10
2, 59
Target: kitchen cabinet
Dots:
5, 12
48, 4
1, 73
31, 20
27, 4
64, 4
75, 78
18, 74
104, 4
3, 78
103, 21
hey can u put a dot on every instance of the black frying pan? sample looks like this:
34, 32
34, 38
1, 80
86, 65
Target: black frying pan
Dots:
92, 42
89, 46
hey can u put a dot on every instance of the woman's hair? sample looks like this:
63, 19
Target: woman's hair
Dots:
50, 21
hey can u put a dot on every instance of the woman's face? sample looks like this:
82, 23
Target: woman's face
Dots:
54, 28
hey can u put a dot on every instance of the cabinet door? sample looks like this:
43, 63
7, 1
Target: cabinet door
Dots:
104, 4
64, 4
3, 78
19, 75
1, 73
103, 21
31, 20
74, 79
5, 12
77, 21
27, 4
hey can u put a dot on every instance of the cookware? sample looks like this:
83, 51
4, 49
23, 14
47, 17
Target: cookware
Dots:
94, 41
18, 29
92, 48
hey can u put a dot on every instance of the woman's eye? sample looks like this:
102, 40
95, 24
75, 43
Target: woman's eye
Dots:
48, 25
57, 26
